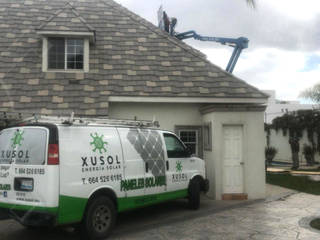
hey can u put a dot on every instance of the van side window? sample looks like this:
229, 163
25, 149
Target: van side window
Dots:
175, 149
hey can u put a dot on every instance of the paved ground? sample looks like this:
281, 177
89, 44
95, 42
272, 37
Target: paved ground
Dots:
282, 216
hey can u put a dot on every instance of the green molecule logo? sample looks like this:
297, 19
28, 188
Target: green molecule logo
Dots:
98, 143
178, 166
17, 138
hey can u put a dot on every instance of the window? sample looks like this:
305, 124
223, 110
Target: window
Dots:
32, 150
192, 137
175, 149
65, 53
207, 143
189, 137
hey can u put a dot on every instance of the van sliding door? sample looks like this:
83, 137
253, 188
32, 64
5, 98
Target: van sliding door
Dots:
134, 168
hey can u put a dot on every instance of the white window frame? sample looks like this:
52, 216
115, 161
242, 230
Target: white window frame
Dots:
85, 56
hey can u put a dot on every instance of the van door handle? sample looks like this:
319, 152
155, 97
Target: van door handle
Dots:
167, 165
147, 167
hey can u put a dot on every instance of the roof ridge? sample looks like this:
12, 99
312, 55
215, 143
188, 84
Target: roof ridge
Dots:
68, 6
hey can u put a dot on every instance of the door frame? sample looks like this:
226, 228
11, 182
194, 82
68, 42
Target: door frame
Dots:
198, 128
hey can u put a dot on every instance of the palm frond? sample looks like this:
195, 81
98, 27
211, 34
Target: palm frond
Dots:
312, 93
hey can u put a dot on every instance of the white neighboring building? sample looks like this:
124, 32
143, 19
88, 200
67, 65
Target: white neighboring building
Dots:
277, 108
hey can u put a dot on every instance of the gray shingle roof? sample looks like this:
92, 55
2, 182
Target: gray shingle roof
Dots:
131, 57
66, 19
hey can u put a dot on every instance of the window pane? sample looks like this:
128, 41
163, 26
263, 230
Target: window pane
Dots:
188, 136
79, 42
183, 135
52, 58
33, 144
60, 65
192, 138
79, 50
56, 53
79, 65
75, 53
71, 65
52, 64
79, 58
60, 48
71, 42
192, 147
71, 58
207, 133
71, 49
175, 148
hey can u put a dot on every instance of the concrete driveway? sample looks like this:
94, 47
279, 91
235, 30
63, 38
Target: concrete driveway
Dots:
282, 216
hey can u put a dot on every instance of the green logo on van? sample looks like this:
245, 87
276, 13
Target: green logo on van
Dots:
98, 143
179, 166
17, 138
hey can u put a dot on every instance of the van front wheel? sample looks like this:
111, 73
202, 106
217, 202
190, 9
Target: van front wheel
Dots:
194, 194
100, 218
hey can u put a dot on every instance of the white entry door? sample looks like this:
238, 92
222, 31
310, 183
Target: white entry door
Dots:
232, 159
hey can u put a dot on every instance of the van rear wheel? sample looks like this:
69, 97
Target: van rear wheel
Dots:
194, 194
100, 218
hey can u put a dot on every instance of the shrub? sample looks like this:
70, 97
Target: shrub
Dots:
308, 153
270, 153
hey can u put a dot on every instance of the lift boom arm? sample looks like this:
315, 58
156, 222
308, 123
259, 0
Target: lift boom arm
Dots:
237, 43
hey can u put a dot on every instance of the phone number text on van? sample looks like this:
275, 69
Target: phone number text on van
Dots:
30, 171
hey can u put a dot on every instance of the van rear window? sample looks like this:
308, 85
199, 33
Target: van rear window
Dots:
24, 146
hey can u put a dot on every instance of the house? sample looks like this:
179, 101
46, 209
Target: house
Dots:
96, 58
276, 108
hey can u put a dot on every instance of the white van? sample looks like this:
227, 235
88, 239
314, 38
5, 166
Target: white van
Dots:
55, 171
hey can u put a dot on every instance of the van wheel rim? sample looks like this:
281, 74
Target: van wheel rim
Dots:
101, 218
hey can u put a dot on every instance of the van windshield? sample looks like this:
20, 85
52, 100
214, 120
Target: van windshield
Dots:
25, 146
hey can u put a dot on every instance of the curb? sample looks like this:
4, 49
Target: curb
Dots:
281, 196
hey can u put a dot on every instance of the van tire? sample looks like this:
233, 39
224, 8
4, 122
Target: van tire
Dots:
100, 218
194, 194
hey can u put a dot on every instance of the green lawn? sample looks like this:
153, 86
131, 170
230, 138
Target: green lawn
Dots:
298, 183
308, 170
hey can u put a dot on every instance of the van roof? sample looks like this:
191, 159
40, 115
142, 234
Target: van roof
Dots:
77, 121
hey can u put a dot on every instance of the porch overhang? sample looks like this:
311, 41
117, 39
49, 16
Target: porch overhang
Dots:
233, 108
187, 100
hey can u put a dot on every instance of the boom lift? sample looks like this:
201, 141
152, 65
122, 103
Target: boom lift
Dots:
168, 25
